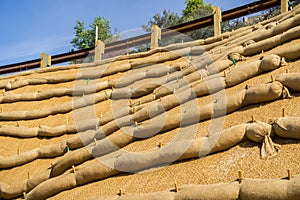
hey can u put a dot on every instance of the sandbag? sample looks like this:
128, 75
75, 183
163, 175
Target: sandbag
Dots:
269, 63
290, 80
262, 132
244, 72
94, 171
70, 158
272, 42
229, 138
241, 73
287, 127
25, 157
57, 109
160, 57
293, 188
221, 191
263, 93
263, 189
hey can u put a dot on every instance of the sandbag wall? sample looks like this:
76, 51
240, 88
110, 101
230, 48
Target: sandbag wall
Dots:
172, 74
256, 131
246, 189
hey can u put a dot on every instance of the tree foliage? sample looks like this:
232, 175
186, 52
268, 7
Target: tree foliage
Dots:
164, 20
196, 9
85, 38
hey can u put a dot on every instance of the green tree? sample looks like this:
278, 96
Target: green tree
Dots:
85, 38
196, 9
164, 20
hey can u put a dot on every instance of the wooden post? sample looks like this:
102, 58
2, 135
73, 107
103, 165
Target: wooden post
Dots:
284, 6
290, 174
155, 36
45, 60
217, 20
121, 192
176, 187
240, 176
99, 50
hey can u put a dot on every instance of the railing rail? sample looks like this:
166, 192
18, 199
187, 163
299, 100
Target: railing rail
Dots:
145, 38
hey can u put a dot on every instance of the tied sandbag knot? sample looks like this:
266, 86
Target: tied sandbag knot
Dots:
262, 132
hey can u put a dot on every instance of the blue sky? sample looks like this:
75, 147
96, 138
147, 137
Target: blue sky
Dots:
30, 27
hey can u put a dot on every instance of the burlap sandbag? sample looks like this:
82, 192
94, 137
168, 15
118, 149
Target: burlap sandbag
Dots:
219, 66
242, 73
272, 42
262, 132
179, 150
23, 132
11, 191
25, 157
57, 109
263, 189
160, 57
290, 51
290, 80
263, 93
294, 188
145, 89
287, 127
91, 172
70, 158
229, 138
270, 62
221, 191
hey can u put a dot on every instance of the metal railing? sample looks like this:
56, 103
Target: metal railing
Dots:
145, 38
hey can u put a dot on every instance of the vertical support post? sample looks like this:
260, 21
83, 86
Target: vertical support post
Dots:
217, 20
290, 174
284, 6
45, 60
99, 50
240, 176
155, 36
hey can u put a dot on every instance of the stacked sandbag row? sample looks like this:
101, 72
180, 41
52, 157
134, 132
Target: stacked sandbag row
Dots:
169, 153
258, 132
266, 64
157, 70
41, 152
202, 87
247, 189
58, 109
253, 95
98, 72
46, 131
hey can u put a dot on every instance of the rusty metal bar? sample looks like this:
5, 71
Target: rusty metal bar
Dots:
145, 38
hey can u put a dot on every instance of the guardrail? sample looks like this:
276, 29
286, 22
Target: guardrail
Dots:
145, 38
